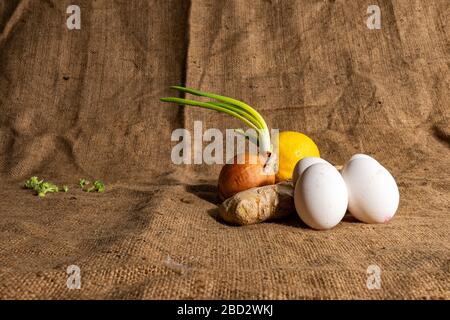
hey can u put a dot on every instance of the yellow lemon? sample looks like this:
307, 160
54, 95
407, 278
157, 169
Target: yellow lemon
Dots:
292, 147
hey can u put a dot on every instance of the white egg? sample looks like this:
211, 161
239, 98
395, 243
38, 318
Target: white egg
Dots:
373, 192
360, 156
302, 165
321, 196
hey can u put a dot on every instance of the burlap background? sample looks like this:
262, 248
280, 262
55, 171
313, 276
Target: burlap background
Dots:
85, 104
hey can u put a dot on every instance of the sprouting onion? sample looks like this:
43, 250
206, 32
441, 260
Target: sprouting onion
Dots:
256, 170
232, 107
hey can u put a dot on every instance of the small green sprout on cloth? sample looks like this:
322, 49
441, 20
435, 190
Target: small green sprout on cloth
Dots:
40, 186
83, 182
43, 187
97, 186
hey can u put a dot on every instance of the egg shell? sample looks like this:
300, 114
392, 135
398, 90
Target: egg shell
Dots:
361, 156
304, 164
373, 192
321, 196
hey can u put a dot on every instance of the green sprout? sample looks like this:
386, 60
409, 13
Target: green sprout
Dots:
46, 187
41, 187
232, 107
83, 183
100, 186
97, 186
32, 183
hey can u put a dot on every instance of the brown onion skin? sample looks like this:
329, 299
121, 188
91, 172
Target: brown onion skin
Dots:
235, 177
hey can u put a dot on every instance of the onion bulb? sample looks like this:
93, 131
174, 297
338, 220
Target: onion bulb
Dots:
256, 171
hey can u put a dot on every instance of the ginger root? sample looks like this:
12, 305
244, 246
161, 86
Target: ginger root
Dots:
259, 204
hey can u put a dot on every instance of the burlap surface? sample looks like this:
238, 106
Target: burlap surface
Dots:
84, 103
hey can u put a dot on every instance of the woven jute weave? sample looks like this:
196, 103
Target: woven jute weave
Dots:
84, 103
